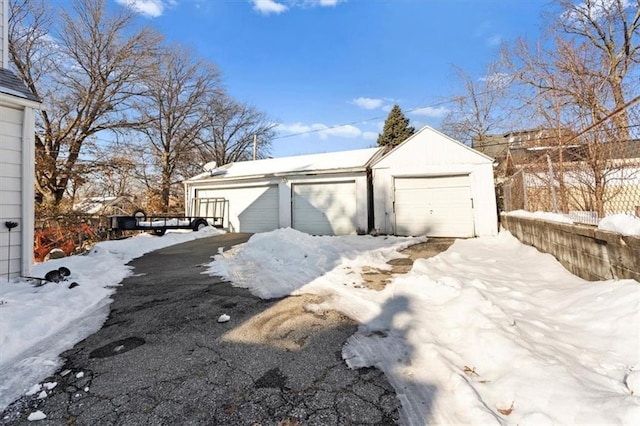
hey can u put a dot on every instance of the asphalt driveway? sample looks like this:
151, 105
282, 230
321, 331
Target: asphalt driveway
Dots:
162, 357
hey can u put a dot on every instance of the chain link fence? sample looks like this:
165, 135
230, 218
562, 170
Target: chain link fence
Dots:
585, 180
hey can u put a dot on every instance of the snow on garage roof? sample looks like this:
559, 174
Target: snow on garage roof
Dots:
296, 164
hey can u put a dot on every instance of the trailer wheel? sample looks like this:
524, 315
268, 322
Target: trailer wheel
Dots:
159, 232
199, 224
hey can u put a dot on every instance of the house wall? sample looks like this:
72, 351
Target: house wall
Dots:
11, 157
430, 154
284, 185
587, 252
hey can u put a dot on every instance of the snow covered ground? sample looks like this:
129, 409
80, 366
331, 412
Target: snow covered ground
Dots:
39, 323
490, 331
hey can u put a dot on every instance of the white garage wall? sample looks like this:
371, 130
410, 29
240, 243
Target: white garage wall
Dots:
248, 208
222, 188
430, 153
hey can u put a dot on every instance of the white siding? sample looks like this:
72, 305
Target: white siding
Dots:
249, 208
11, 154
431, 154
281, 190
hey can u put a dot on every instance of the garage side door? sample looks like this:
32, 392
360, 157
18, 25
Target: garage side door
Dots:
324, 208
250, 209
434, 206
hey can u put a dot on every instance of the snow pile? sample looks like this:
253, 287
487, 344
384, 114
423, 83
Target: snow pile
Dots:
39, 323
551, 217
624, 224
489, 332
277, 263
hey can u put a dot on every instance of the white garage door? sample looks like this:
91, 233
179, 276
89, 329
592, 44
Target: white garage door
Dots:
250, 209
324, 208
434, 206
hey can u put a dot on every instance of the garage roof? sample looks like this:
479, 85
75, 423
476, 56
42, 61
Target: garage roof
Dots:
327, 162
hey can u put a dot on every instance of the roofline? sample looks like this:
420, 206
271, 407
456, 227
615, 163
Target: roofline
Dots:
425, 128
19, 100
278, 175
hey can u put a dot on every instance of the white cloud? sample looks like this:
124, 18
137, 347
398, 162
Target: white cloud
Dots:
150, 8
268, 6
322, 130
294, 128
368, 103
328, 2
431, 112
346, 131
594, 9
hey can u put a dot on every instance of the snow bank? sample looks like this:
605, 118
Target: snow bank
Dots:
623, 224
552, 217
489, 332
278, 263
39, 323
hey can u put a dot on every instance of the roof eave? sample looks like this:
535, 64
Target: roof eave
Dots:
19, 100
278, 175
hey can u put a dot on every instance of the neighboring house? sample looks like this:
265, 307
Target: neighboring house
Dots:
17, 162
430, 184
518, 147
533, 164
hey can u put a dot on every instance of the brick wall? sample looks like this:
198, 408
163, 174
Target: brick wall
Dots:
584, 250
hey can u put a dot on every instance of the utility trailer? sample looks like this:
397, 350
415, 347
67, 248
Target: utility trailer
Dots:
159, 224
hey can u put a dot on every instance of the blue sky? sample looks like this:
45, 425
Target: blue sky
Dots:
316, 64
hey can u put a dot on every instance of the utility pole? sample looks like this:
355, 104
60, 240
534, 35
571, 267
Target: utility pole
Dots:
255, 146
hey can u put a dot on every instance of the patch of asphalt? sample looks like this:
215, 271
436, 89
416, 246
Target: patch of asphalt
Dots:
162, 358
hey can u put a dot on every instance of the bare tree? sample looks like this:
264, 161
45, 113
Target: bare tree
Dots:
581, 79
230, 130
612, 29
86, 68
173, 111
483, 108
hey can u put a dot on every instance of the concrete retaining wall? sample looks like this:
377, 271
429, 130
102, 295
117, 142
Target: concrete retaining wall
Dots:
584, 250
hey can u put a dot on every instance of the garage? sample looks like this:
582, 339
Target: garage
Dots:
327, 208
248, 209
433, 185
320, 194
436, 206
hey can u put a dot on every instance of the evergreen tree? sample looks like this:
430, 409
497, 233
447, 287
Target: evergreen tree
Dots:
396, 128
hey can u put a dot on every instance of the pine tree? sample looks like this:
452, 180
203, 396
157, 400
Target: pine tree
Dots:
396, 128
